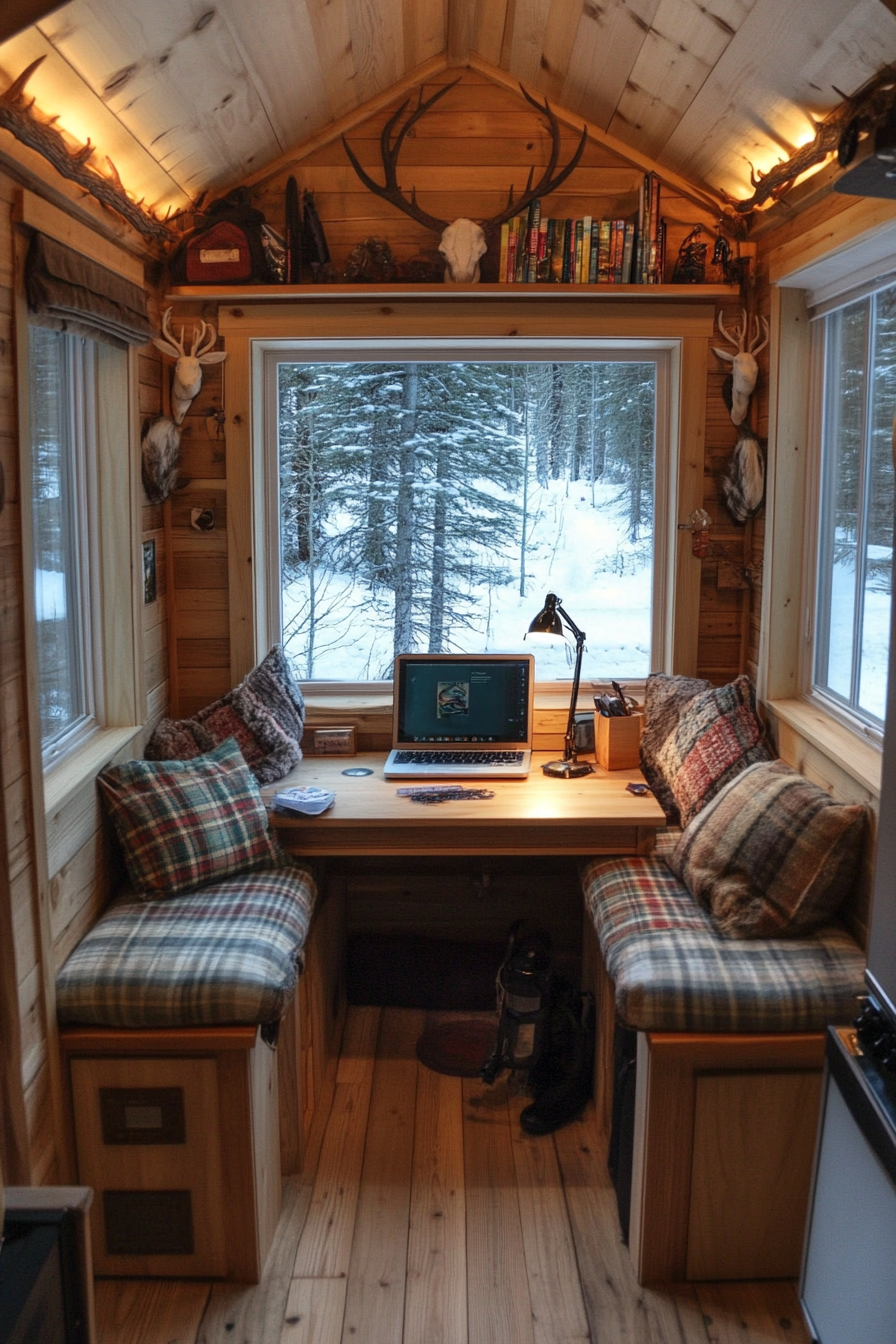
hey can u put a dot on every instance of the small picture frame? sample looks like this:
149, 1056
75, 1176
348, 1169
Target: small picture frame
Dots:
149, 572
328, 742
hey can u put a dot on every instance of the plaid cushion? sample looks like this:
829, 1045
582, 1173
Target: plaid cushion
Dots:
717, 736
673, 971
772, 855
227, 954
182, 824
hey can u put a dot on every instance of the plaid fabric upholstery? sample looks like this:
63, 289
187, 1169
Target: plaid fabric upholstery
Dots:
227, 954
772, 855
665, 842
183, 824
673, 971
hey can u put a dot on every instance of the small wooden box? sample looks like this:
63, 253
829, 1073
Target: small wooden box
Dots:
328, 742
617, 741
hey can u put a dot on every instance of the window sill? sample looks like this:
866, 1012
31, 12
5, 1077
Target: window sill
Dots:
83, 764
859, 758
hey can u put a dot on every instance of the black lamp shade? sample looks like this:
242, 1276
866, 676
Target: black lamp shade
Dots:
548, 621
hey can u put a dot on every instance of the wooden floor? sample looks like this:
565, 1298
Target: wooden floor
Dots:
431, 1219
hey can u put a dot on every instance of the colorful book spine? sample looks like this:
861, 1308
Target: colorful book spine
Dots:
585, 269
557, 252
603, 257
576, 264
502, 264
512, 244
568, 230
628, 248
595, 248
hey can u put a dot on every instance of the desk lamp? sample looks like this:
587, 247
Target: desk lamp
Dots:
548, 622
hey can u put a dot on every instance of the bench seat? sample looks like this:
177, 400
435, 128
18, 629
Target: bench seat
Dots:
228, 953
720, 1121
673, 972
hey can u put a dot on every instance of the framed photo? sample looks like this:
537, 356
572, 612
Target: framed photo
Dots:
328, 742
149, 572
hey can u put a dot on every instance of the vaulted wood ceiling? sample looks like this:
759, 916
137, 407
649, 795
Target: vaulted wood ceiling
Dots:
184, 95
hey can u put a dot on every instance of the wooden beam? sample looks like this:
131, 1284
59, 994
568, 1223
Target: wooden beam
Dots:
461, 30
19, 14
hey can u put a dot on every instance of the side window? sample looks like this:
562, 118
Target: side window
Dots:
855, 546
63, 463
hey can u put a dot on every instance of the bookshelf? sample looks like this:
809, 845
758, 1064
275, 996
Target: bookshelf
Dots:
327, 293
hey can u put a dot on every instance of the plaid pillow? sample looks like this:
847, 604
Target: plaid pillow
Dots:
266, 715
717, 736
182, 824
772, 855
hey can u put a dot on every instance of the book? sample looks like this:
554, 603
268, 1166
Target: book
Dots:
603, 257
585, 270
557, 251
595, 246
567, 230
502, 264
576, 267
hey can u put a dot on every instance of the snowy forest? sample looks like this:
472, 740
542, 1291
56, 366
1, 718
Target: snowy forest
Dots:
429, 507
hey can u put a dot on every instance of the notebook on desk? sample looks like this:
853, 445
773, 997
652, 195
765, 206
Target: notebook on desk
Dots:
463, 716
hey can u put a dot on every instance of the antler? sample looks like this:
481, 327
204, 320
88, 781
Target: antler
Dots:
760, 324
547, 182
169, 334
740, 332
197, 349
392, 191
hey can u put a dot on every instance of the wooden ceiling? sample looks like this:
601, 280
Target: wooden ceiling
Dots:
185, 95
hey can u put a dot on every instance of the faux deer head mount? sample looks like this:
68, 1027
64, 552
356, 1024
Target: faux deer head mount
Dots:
744, 369
188, 369
463, 242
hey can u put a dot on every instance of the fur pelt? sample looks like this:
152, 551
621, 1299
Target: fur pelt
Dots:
743, 482
160, 445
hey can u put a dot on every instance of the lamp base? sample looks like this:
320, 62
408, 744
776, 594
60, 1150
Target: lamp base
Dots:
568, 769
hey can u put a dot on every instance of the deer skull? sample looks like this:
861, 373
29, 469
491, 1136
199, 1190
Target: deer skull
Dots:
744, 369
188, 369
462, 244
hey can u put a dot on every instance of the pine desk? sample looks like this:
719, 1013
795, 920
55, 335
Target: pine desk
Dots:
538, 815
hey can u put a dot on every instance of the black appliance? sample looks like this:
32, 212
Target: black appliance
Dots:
41, 1297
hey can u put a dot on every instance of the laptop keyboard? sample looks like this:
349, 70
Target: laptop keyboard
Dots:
458, 758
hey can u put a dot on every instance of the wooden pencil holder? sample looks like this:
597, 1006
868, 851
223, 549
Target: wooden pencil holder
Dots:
617, 741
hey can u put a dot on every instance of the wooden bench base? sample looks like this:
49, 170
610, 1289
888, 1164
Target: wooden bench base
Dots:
184, 1133
177, 1133
724, 1138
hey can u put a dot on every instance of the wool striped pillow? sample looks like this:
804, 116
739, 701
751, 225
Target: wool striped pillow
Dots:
772, 855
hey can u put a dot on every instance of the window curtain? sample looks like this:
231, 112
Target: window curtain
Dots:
69, 292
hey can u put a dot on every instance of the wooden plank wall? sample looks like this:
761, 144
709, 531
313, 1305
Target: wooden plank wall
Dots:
81, 867
460, 159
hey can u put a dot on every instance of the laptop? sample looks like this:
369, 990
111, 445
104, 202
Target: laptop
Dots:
465, 716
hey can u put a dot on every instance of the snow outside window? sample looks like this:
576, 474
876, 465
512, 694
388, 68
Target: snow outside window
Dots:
430, 506
855, 549
62, 424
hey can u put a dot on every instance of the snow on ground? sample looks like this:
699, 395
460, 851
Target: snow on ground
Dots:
574, 550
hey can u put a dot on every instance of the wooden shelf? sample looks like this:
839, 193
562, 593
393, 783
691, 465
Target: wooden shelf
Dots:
329, 293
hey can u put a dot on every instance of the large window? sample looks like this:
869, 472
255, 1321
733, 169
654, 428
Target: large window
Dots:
855, 550
430, 506
63, 457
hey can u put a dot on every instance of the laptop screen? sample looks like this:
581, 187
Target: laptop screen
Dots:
455, 700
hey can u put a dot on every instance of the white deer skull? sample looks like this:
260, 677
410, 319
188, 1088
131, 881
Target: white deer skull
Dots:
462, 244
188, 369
744, 369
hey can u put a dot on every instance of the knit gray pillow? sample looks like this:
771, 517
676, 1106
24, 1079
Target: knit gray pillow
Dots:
265, 713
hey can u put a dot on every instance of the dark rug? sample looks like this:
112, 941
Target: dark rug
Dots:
458, 1046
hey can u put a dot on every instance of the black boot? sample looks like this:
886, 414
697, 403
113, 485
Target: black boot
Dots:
563, 1086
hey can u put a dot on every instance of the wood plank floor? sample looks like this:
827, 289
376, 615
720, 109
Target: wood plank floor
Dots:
427, 1217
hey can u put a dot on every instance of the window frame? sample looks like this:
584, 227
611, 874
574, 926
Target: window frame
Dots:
845, 711
80, 404
116, 569
270, 354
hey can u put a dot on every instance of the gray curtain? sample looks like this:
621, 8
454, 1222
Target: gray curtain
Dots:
69, 292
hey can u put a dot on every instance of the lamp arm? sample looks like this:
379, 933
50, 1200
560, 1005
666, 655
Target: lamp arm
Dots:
569, 746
